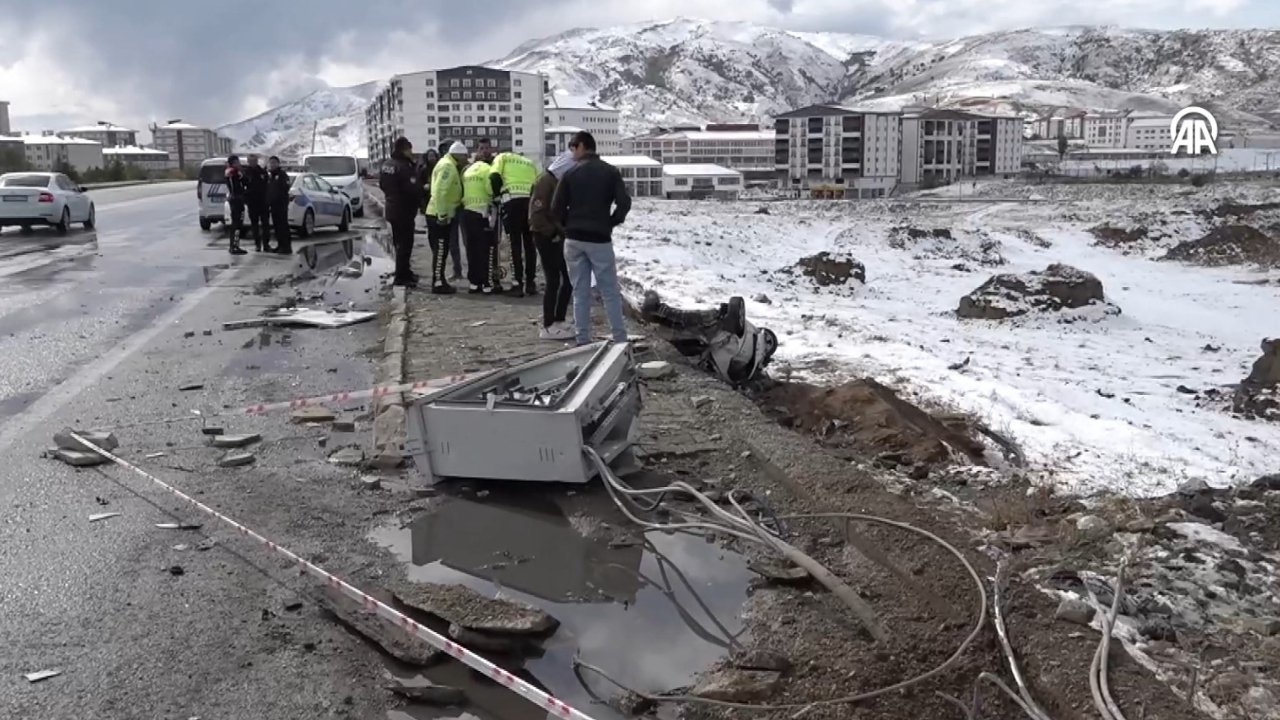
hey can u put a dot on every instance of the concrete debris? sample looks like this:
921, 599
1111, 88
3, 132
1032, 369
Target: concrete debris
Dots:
312, 415
1075, 611
1261, 703
207, 544
655, 369
105, 440
76, 458
236, 441
425, 691
1057, 287
462, 606
36, 677
208, 333
760, 660
350, 456
398, 644
344, 426
776, 572
211, 430
1266, 627
484, 642
372, 482
740, 686
190, 386
1193, 487
762, 299
154, 455
1093, 527
179, 526
231, 460
103, 516
702, 400
189, 334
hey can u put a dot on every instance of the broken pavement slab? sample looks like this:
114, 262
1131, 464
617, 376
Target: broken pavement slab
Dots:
739, 686
312, 415
236, 441
105, 440
35, 677
397, 643
462, 606
351, 456
236, 459
77, 458
486, 642
655, 369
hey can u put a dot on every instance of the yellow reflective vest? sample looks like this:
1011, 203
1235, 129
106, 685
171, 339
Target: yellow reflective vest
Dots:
446, 189
518, 173
477, 188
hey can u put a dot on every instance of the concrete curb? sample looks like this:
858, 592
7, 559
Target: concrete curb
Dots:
389, 412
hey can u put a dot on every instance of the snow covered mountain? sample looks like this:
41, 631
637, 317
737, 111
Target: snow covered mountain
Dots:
693, 71
335, 116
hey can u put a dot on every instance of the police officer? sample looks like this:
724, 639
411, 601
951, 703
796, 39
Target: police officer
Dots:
255, 198
513, 178
479, 221
402, 191
279, 186
235, 201
442, 213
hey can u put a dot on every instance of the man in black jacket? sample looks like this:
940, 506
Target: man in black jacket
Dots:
255, 198
402, 190
235, 203
590, 201
279, 186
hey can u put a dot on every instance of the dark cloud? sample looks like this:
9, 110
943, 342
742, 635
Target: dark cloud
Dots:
782, 6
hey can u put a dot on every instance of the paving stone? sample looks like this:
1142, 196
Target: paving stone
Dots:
236, 460
78, 458
312, 415
105, 440
236, 441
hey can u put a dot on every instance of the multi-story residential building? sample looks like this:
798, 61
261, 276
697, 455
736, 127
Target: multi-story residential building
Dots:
1148, 133
189, 144
1066, 122
700, 181
4, 118
642, 175
105, 134
145, 158
941, 146
601, 121
434, 108
1105, 129
839, 151
747, 149
48, 151
556, 140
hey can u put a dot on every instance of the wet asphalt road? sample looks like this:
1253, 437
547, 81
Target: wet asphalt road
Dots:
93, 332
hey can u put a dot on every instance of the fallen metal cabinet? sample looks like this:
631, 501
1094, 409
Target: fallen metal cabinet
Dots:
532, 421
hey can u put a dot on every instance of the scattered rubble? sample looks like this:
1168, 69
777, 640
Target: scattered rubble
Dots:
1118, 238
344, 426
782, 574
760, 660
350, 456
827, 269
76, 458
105, 440
236, 441
462, 606
1057, 287
655, 369
398, 644
1258, 395
425, 691
312, 415
740, 686
1229, 245
234, 459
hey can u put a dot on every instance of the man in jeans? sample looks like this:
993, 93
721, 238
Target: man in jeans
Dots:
590, 201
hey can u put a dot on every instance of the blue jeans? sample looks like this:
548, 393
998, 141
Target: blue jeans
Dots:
584, 259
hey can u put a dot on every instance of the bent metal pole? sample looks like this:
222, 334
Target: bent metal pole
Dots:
555, 708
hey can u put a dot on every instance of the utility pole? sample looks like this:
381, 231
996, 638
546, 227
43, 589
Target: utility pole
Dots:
314, 126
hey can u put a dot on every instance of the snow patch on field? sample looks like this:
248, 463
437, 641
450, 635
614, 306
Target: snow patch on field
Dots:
1094, 402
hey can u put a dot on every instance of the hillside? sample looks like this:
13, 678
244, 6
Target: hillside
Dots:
693, 71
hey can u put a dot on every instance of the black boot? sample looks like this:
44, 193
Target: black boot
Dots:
439, 261
235, 248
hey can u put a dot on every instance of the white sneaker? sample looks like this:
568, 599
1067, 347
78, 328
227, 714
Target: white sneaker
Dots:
556, 331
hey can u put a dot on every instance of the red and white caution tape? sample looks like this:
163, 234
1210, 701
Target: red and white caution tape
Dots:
348, 395
555, 708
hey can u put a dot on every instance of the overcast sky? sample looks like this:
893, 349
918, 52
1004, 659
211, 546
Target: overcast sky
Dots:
133, 61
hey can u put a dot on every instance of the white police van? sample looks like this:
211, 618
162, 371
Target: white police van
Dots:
211, 191
343, 173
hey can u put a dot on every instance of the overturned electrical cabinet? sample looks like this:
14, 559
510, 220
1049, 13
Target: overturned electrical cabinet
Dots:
530, 422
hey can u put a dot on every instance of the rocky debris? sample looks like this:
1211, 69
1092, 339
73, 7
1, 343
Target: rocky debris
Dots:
1031, 237
105, 440
1231, 208
425, 691
344, 426
782, 574
655, 369
312, 415
398, 644
1261, 703
760, 660
235, 459
762, 299
740, 686
486, 642
1267, 483
1266, 626
372, 482
462, 606
350, 456
1114, 237
918, 234
827, 269
236, 441
1074, 610
1057, 287
1092, 527
1228, 245
762, 210
631, 704
78, 458
701, 401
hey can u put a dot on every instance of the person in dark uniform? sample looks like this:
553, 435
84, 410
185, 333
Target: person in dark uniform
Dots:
278, 188
402, 191
255, 188
235, 201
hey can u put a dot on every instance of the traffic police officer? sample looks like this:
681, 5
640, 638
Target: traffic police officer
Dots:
513, 178
479, 220
442, 211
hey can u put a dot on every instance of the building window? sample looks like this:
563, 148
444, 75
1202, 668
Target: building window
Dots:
429, 82
431, 94
519, 143
518, 108
505, 119
444, 108
519, 131
493, 108
431, 118
518, 94
466, 94
466, 118
455, 95
682, 181
431, 106
517, 82
453, 82
466, 82
492, 83
519, 119
504, 107
493, 95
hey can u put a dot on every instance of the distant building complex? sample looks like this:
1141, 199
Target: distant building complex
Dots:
189, 144
105, 134
745, 148
50, 151
566, 112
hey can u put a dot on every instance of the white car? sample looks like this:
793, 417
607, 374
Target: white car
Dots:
313, 203
43, 198
342, 172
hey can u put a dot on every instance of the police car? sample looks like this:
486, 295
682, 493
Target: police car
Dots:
313, 203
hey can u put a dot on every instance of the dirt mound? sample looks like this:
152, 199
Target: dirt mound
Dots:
1058, 287
1231, 208
828, 269
1114, 237
1258, 396
918, 234
941, 244
1229, 245
867, 419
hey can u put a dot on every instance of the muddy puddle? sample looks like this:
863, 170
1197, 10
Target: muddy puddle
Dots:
651, 609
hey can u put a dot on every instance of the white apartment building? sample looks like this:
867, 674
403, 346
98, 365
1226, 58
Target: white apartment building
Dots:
941, 146
105, 134
747, 149
435, 108
563, 110
1105, 129
145, 158
46, 152
1148, 133
642, 175
1060, 122
839, 151
700, 181
189, 144
4, 118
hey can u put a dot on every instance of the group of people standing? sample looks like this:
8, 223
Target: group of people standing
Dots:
564, 215
264, 192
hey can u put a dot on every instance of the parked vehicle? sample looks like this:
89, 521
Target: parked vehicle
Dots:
343, 172
313, 203
211, 191
28, 199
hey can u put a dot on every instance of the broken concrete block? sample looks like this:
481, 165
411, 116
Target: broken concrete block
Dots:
701, 401
760, 660
105, 440
312, 415
655, 369
78, 458
425, 691
344, 426
462, 606
371, 482
400, 645
1075, 611
1266, 627
208, 333
236, 460
347, 456
236, 441
1093, 527
484, 642
740, 686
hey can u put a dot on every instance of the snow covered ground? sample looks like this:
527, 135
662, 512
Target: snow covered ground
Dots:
1095, 404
